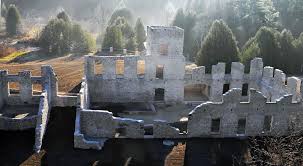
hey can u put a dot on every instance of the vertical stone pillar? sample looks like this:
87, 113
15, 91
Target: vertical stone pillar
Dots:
50, 81
124, 51
255, 75
3, 87
216, 91
278, 85
237, 74
294, 87
266, 84
26, 88
89, 67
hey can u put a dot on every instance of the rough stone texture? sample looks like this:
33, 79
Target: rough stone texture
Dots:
218, 73
165, 47
237, 75
162, 129
284, 116
3, 88
133, 128
131, 87
42, 119
81, 142
98, 124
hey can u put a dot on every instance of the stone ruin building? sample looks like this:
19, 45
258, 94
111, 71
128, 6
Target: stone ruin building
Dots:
146, 96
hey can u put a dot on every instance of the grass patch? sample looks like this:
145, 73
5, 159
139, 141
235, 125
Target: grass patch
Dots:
12, 56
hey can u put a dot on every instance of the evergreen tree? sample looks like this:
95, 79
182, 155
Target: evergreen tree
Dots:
126, 29
13, 20
140, 34
179, 19
187, 22
62, 15
269, 46
60, 37
277, 50
131, 44
218, 46
287, 58
113, 38
3, 10
56, 37
82, 41
126, 13
298, 44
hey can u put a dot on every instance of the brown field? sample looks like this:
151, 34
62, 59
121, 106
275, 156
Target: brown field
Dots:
69, 70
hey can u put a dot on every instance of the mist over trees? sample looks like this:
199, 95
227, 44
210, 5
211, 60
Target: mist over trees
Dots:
262, 28
246, 19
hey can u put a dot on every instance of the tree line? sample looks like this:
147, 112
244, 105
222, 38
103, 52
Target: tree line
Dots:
240, 30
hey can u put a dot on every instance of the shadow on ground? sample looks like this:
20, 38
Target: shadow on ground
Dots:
16, 148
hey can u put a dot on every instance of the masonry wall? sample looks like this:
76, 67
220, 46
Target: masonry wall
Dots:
286, 116
45, 105
2, 85
271, 82
25, 81
112, 86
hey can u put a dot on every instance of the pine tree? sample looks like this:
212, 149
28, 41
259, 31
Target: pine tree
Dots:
218, 46
61, 36
187, 22
82, 41
287, 58
298, 44
179, 19
131, 44
140, 34
13, 20
126, 13
62, 15
113, 38
269, 46
3, 10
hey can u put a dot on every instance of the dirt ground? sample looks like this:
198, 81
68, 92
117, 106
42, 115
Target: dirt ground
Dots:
69, 69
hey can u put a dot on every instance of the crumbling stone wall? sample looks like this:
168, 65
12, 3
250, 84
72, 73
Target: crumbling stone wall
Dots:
45, 105
272, 83
285, 116
165, 48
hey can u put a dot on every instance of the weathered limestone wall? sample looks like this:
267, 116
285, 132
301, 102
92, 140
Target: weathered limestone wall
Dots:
272, 83
172, 37
25, 80
161, 129
3, 87
112, 86
286, 116
42, 119
45, 105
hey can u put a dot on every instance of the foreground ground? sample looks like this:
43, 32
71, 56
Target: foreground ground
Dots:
16, 148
